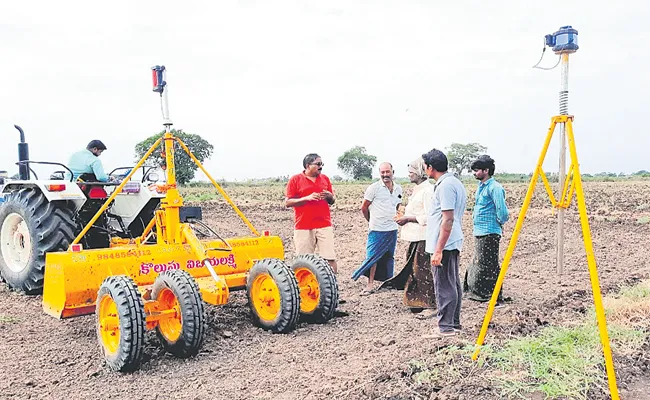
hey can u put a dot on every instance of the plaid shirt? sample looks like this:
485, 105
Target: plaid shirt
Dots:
490, 210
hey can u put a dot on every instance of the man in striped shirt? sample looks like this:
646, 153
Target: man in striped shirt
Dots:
489, 215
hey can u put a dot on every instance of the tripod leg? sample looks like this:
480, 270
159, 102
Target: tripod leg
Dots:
513, 241
591, 262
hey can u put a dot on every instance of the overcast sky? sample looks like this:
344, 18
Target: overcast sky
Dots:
267, 82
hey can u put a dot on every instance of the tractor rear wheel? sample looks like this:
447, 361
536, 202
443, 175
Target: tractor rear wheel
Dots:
31, 227
182, 332
319, 295
121, 323
273, 296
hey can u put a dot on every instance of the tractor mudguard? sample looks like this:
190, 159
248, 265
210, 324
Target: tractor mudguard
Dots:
53, 190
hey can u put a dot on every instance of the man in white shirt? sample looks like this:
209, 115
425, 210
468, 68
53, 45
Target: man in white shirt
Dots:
416, 277
380, 204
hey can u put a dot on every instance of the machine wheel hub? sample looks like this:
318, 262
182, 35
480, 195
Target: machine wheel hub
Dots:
15, 241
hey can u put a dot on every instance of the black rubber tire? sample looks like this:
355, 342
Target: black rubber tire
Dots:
193, 319
132, 319
327, 285
287, 318
51, 228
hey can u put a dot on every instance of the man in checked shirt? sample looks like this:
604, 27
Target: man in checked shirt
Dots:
489, 215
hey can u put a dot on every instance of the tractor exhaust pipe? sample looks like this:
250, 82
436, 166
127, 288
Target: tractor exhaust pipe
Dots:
23, 155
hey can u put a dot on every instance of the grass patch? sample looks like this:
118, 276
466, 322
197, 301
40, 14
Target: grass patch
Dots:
643, 207
630, 306
634, 293
568, 361
446, 366
643, 220
5, 319
558, 362
204, 196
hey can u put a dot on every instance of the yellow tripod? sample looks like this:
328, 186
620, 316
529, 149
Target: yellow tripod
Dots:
564, 201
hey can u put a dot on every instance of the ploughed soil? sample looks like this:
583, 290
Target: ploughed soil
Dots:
365, 354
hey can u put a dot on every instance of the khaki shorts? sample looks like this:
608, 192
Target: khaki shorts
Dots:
319, 241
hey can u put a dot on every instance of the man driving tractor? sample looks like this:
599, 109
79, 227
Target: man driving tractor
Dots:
86, 163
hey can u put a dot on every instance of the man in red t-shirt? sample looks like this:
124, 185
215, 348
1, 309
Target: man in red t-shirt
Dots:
310, 195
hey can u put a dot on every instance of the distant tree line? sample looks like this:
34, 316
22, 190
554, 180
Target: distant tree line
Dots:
358, 164
355, 162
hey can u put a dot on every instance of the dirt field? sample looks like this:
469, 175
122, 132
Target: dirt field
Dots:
363, 355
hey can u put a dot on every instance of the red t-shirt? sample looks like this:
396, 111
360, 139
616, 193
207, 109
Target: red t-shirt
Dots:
312, 214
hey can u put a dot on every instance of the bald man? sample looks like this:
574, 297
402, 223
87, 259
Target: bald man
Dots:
380, 203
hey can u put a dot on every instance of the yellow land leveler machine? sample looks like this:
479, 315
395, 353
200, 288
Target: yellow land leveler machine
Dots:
78, 244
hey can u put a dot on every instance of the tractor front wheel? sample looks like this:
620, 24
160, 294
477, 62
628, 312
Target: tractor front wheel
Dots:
121, 323
182, 330
319, 295
273, 296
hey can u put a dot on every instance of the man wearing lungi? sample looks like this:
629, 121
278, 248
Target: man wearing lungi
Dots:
444, 242
489, 215
416, 278
380, 203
